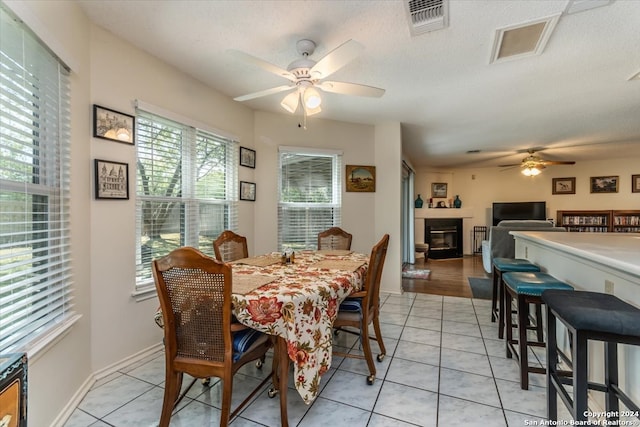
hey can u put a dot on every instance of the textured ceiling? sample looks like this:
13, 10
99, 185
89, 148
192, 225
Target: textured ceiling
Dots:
439, 85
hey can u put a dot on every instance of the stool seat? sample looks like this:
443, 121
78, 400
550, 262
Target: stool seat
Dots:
595, 312
533, 283
514, 264
588, 316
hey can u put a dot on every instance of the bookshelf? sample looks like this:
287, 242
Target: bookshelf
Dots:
600, 221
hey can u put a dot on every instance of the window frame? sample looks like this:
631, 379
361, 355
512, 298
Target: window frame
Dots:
188, 200
335, 204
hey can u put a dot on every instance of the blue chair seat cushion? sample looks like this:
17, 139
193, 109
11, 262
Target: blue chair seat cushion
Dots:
351, 305
243, 340
514, 264
595, 312
533, 283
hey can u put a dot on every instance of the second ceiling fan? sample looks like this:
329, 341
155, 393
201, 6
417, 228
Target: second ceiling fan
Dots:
306, 76
533, 164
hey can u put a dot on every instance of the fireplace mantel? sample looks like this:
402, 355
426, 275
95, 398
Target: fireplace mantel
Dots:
444, 213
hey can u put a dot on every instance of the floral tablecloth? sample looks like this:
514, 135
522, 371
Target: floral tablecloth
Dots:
300, 305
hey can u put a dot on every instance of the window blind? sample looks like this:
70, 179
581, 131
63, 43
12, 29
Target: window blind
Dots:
186, 189
35, 270
310, 196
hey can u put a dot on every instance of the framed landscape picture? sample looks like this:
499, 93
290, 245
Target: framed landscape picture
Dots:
604, 184
439, 190
564, 186
361, 178
635, 183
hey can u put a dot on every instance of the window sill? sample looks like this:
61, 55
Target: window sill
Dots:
38, 348
144, 293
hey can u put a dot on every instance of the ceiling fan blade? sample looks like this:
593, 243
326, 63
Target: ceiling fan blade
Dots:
336, 59
551, 162
263, 93
250, 59
510, 166
351, 89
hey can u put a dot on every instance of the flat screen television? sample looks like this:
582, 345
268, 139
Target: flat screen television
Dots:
519, 210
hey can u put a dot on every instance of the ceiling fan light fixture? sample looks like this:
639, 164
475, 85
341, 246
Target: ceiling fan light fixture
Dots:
312, 98
531, 171
290, 102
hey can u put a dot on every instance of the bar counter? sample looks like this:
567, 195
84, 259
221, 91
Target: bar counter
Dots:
597, 262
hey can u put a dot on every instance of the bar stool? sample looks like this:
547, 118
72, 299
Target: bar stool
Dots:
503, 265
527, 289
588, 316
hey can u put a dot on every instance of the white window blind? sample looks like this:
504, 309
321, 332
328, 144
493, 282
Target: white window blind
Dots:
310, 196
186, 189
35, 270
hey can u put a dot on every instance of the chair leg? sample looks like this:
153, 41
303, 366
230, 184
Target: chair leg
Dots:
227, 388
523, 319
507, 301
376, 328
580, 385
552, 357
539, 325
611, 378
494, 295
502, 309
171, 391
366, 348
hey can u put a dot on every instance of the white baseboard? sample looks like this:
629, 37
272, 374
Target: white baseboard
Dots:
67, 411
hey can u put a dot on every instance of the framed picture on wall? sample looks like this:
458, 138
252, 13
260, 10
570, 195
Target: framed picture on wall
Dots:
361, 179
604, 184
439, 190
111, 180
635, 183
248, 191
247, 157
563, 186
113, 125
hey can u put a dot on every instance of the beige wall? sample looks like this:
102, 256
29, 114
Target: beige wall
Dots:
112, 73
479, 188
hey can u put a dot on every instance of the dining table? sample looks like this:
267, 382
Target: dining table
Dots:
296, 301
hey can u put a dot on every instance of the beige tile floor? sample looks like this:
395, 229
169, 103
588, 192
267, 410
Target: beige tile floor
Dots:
445, 366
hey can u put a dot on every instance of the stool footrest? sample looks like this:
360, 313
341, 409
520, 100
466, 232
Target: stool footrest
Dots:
625, 399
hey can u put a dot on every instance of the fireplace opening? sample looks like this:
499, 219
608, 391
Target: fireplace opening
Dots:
444, 236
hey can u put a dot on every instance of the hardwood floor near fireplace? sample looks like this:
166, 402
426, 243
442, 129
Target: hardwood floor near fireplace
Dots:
448, 276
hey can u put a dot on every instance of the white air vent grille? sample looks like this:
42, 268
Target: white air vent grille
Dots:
427, 15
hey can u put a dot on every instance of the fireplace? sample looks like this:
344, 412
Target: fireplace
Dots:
444, 236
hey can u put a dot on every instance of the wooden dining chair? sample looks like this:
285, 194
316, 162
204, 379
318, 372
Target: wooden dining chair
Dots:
199, 336
230, 246
361, 309
334, 238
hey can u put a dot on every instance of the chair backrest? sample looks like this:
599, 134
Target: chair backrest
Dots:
230, 246
334, 238
195, 297
374, 273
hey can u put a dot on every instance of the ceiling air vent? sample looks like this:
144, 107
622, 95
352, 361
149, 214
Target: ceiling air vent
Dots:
427, 15
518, 41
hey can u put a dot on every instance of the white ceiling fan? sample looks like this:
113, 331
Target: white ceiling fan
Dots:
306, 76
533, 164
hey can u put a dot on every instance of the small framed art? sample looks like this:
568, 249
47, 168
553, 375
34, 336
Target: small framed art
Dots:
635, 183
361, 179
247, 157
113, 125
111, 180
248, 191
563, 186
439, 190
604, 184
